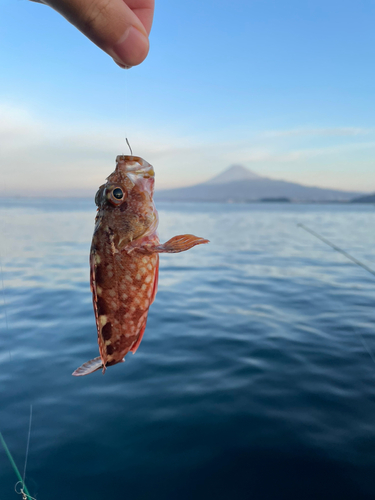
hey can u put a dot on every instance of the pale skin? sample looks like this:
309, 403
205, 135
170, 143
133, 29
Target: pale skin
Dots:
119, 27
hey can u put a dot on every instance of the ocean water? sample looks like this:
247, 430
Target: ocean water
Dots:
255, 378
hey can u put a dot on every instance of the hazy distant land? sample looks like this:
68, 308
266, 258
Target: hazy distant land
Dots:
369, 198
239, 184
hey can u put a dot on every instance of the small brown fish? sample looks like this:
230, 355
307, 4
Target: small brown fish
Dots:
124, 260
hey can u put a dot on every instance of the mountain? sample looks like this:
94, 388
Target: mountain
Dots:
232, 174
239, 184
365, 199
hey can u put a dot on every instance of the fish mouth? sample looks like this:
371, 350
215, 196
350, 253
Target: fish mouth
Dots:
134, 166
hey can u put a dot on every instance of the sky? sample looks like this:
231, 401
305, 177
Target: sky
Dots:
285, 88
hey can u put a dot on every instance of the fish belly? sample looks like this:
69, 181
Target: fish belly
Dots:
123, 288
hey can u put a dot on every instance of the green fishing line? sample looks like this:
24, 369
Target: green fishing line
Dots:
14, 465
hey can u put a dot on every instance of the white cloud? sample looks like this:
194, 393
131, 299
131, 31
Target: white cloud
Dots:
16, 124
43, 156
48, 157
323, 132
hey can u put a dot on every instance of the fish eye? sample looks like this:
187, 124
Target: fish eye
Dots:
117, 193
115, 196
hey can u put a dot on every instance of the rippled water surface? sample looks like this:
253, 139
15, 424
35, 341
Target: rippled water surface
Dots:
254, 379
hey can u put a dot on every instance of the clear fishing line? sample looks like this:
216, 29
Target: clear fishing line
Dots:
20, 487
23, 490
338, 249
126, 106
28, 444
3, 289
3, 253
355, 261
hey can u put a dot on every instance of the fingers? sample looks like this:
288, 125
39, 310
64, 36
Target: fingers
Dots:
120, 29
144, 10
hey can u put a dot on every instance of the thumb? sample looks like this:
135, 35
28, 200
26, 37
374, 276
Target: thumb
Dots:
110, 24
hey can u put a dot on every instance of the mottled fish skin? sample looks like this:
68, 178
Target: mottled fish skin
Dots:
124, 260
124, 287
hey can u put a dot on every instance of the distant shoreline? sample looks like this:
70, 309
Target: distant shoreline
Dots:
74, 198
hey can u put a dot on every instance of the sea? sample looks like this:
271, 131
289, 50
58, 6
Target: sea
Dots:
255, 378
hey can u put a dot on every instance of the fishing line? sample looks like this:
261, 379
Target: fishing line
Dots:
28, 444
3, 288
126, 105
127, 142
355, 261
23, 491
2, 273
20, 487
338, 249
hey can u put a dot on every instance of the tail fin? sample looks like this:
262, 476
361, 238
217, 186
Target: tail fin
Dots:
88, 367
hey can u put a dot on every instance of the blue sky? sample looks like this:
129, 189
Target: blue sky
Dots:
285, 88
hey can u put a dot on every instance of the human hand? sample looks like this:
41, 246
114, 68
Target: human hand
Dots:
119, 27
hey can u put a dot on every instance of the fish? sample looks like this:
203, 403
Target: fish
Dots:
124, 260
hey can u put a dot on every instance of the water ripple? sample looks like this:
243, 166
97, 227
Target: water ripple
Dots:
254, 378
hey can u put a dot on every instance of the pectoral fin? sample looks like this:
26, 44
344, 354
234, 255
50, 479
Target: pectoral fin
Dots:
178, 244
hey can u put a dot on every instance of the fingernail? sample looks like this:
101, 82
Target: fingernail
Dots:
123, 66
131, 49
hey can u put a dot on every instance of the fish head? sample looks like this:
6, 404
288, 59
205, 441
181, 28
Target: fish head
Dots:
126, 200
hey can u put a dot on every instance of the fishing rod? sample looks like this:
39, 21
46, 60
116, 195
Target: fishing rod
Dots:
338, 249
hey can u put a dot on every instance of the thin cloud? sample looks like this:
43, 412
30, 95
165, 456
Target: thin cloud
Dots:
323, 132
50, 157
